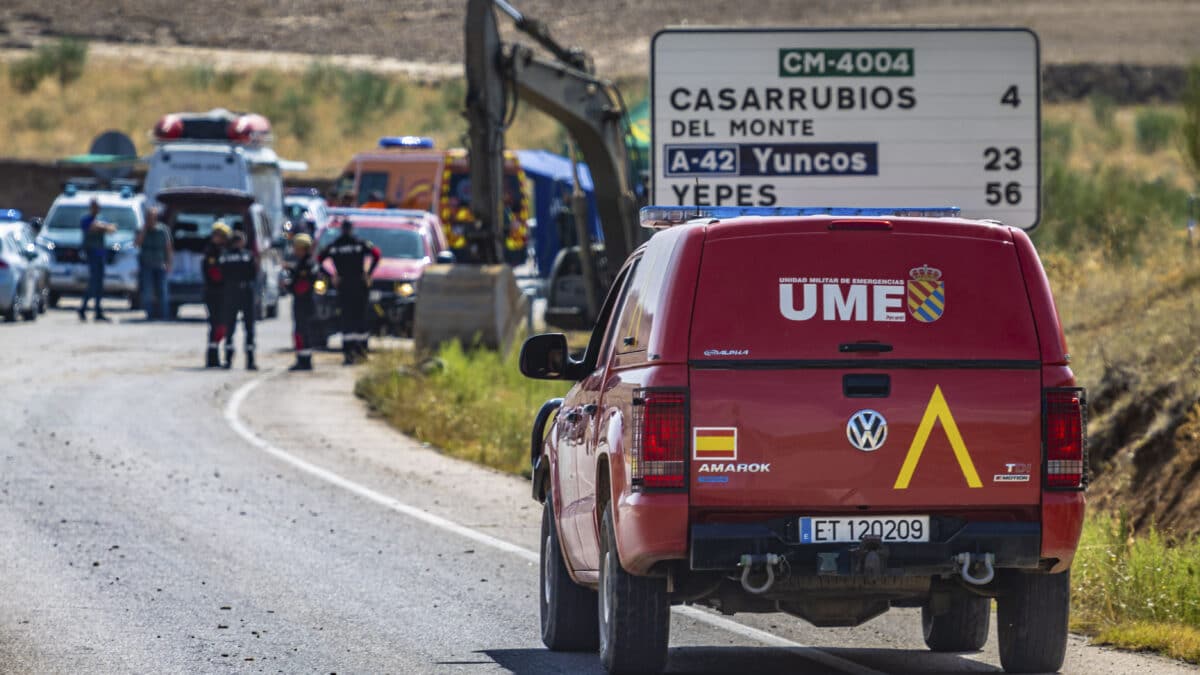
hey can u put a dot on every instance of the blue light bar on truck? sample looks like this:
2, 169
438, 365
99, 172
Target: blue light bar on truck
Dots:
352, 212
420, 142
657, 217
11, 215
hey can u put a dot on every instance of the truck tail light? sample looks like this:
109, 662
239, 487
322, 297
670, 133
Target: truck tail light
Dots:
659, 454
1064, 423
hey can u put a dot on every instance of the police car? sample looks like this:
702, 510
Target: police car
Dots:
120, 205
820, 412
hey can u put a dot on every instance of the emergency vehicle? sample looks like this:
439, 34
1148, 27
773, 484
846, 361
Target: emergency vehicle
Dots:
408, 172
220, 149
822, 412
408, 240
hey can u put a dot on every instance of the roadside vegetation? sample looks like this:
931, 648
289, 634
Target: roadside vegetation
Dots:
1138, 591
57, 100
469, 403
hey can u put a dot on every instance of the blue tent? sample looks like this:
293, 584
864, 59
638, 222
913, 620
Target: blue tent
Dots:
553, 180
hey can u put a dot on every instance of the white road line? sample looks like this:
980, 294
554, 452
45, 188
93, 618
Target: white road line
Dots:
233, 418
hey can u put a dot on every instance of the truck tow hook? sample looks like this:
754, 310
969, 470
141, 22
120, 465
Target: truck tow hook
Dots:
972, 562
768, 561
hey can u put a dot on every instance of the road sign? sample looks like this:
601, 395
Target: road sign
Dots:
884, 117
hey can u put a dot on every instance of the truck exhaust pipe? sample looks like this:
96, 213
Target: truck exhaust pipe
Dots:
971, 564
768, 562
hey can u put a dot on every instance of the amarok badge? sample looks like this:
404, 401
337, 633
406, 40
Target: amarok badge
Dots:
926, 294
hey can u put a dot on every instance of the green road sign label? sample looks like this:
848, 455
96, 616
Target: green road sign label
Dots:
846, 63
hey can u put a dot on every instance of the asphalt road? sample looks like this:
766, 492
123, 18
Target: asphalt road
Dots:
156, 517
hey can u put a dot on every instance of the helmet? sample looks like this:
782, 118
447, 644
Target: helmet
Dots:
303, 240
221, 227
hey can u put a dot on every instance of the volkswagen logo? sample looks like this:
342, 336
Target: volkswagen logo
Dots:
867, 430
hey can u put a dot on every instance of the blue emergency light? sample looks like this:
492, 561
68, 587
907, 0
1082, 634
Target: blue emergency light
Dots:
412, 142
656, 217
349, 212
11, 215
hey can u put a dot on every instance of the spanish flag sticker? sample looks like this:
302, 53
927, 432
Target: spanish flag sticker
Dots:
714, 443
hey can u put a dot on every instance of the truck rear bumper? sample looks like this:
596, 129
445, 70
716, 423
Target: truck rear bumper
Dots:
720, 547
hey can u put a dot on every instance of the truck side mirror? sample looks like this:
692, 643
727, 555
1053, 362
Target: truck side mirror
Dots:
545, 357
36, 224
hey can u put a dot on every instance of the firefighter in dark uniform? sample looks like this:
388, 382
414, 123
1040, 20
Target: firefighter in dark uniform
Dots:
353, 286
214, 291
301, 281
239, 268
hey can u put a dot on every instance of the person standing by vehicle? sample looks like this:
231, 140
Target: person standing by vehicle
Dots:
214, 291
239, 269
301, 281
155, 256
353, 283
95, 248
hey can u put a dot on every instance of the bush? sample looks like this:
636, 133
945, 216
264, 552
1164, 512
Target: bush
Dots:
296, 110
322, 77
1057, 139
1154, 129
365, 97
200, 77
1107, 210
1190, 128
1104, 110
26, 74
472, 404
226, 80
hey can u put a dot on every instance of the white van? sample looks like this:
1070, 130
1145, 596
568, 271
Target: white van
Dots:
220, 149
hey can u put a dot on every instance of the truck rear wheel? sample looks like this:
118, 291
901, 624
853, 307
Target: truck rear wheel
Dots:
635, 612
964, 628
1032, 623
568, 610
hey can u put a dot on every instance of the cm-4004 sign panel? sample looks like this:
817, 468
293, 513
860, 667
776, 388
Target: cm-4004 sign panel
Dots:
866, 118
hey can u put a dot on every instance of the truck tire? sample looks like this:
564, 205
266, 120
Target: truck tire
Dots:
569, 613
964, 628
635, 612
54, 298
1032, 623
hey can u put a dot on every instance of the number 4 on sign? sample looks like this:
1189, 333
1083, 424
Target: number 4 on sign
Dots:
937, 410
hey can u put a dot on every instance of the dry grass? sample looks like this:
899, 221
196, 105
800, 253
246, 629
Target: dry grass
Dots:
1093, 146
1175, 641
310, 122
1137, 592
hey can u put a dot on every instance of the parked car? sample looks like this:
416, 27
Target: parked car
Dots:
409, 241
21, 271
305, 204
827, 416
61, 235
190, 214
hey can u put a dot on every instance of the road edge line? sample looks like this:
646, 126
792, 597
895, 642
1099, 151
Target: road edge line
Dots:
232, 417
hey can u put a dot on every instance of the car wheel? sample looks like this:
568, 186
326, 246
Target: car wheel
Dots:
173, 311
54, 298
31, 313
568, 610
1031, 622
635, 612
962, 628
11, 314
135, 301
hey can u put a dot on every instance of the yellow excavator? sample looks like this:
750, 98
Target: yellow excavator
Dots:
476, 299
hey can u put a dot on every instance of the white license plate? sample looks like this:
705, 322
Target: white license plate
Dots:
376, 296
839, 530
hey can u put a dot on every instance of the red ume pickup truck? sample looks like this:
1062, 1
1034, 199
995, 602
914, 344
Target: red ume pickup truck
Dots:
826, 413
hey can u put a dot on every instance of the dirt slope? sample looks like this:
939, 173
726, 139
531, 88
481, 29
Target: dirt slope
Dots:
616, 32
